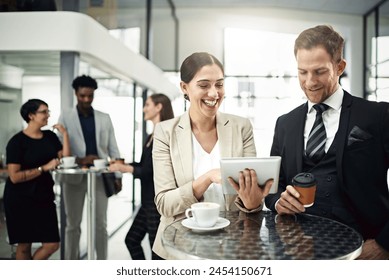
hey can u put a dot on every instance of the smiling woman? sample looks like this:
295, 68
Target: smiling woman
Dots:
28, 197
157, 108
187, 149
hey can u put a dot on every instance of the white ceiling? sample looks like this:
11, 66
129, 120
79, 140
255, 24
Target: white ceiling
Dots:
356, 7
120, 13
48, 63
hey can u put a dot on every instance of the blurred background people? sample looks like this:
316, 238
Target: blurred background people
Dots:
157, 108
187, 149
28, 196
92, 137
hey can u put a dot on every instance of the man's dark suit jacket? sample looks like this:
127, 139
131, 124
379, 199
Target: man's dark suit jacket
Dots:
362, 160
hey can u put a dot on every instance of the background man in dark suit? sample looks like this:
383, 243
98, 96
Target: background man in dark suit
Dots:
352, 171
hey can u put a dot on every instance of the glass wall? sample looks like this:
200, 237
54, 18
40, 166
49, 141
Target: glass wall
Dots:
377, 53
261, 79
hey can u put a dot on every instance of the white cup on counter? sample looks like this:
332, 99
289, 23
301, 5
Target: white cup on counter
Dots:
68, 162
100, 163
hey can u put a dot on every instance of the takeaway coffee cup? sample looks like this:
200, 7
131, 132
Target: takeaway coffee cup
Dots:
68, 162
305, 184
100, 163
204, 213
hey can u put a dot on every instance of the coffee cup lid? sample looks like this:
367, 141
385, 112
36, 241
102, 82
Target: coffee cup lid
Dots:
304, 180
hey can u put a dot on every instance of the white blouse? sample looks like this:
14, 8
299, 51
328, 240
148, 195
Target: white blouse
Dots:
202, 163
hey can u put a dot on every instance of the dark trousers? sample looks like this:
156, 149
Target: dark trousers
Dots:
146, 221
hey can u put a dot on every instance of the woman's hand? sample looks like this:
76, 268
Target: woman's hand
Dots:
201, 184
60, 128
51, 165
215, 176
248, 189
65, 143
121, 167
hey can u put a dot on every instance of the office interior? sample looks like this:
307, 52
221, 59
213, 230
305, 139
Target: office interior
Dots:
135, 47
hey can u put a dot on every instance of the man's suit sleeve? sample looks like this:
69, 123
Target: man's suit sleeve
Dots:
271, 199
383, 237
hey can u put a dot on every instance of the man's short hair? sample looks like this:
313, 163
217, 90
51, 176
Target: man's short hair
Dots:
321, 35
84, 81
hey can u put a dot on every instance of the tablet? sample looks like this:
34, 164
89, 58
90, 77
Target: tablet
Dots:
266, 168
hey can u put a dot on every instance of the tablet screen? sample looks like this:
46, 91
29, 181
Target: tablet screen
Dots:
266, 168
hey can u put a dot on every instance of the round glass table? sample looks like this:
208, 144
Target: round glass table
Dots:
265, 236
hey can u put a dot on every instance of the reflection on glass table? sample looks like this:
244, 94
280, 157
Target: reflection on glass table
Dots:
265, 236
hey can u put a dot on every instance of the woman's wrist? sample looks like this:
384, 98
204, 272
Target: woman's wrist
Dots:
130, 168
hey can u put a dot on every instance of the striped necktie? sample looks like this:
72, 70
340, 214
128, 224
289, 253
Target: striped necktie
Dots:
317, 137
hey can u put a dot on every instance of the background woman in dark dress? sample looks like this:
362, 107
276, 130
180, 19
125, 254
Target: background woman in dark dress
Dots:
28, 196
157, 108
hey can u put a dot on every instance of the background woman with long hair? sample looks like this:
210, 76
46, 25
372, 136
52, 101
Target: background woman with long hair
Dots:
157, 108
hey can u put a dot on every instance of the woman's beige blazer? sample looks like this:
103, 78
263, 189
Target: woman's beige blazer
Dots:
172, 161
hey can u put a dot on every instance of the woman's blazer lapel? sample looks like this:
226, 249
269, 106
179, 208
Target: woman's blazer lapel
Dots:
183, 134
224, 132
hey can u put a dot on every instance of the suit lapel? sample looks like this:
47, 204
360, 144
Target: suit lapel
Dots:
77, 124
224, 135
183, 133
98, 128
297, 139
341, 136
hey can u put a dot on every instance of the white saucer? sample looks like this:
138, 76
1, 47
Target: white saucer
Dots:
191, 223
68, 167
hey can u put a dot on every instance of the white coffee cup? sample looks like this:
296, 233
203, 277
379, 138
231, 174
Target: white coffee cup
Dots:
204, 213
68, 162
100, 163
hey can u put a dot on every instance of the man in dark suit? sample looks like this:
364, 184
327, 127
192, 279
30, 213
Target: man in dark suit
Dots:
351, 171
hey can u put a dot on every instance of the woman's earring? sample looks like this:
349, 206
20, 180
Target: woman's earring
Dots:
186, 97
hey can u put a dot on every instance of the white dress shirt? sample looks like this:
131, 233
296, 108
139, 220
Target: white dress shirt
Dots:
331, 117
202, 163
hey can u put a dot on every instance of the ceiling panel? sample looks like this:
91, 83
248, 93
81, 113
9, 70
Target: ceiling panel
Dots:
123, 13
357, 7
33, 63
47, 64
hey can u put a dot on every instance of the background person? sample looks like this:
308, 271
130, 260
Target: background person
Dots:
157, 108
187, 149
28, 195
92, 136
352, 173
